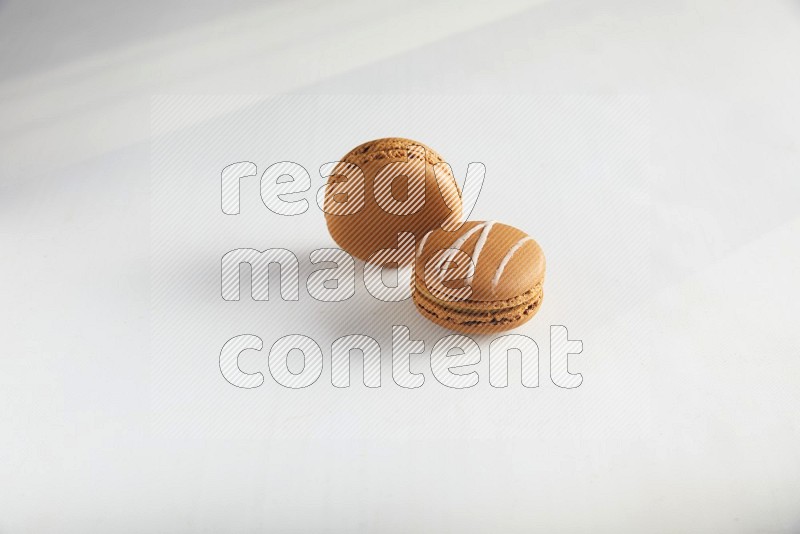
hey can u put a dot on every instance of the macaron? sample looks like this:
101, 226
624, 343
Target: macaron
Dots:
385, 187
484, 277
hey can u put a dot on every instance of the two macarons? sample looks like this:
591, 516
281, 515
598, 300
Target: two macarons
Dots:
472, 276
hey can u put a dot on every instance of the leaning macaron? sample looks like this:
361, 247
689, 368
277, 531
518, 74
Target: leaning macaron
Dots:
484, 277
385, 187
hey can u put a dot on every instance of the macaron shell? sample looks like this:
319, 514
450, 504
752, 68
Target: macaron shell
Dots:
520, 269
372, 228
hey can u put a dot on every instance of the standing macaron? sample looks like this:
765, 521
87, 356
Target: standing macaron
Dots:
485, 277
385, 187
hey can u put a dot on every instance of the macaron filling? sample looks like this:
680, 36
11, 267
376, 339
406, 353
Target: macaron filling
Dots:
475, 313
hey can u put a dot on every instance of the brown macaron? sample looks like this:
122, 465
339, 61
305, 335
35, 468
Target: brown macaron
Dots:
384, 187
484, 277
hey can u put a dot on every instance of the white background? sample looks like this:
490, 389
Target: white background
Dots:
693, 427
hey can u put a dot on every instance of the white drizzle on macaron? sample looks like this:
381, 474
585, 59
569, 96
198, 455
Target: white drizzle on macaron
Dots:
486, 227
513, 250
